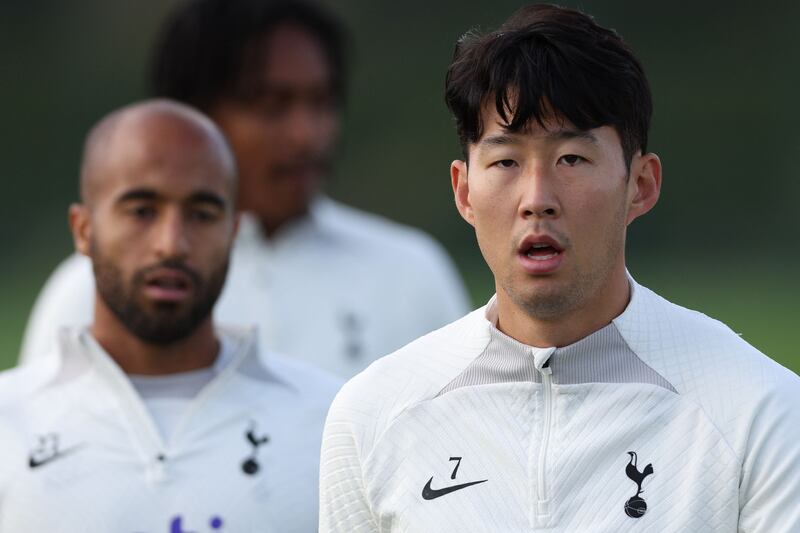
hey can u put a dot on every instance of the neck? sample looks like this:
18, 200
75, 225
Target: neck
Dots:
135, 356
608, 302
270, 226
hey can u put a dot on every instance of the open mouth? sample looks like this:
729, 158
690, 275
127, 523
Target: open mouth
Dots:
541, 252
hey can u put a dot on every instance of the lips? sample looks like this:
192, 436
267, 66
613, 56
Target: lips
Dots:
168, 284
540, 254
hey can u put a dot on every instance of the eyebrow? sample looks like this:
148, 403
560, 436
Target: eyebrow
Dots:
137, 194
560, 135
207, 197
199, 197
498, 140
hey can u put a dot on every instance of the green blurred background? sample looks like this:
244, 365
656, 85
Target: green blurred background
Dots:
723, 239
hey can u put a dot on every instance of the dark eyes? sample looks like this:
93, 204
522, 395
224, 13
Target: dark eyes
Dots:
505, 163
147, 212
203, 215
143, 212
571, 159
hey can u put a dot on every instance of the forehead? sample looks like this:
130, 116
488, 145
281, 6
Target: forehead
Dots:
173, 168
553, 129
291, 55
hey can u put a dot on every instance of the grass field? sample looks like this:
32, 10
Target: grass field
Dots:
760, 305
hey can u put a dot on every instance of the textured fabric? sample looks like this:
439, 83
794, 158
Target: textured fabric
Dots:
82, 453
602, 357
699, 436
366, 285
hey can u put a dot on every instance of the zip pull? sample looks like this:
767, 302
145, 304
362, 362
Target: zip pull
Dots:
541, 359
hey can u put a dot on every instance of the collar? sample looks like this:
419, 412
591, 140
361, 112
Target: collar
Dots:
78, 353
314, 221
604, 336
604, 356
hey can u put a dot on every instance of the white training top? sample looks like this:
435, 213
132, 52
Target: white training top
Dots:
338, 289
168, 397
663, 421
80, 453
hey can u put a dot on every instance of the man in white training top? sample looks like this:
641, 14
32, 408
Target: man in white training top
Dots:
153, 420
576, 400
271, 75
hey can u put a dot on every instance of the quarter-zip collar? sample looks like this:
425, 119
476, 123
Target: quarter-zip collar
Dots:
504, 347
80, 354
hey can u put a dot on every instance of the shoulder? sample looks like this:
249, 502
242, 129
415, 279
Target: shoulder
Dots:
75, 269
419, 267
20, 385
276, 379
374, 231
68, 294
313, 384
691, 349
373, 399
67, 298
706, 362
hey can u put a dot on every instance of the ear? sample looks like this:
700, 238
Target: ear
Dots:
458, 177
644, 185
81, 225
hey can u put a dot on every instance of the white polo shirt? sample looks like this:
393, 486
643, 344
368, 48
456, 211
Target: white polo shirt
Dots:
338, 288
80, 452
663, 421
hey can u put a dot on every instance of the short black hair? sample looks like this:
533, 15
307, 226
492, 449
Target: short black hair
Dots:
550, 62
204, 53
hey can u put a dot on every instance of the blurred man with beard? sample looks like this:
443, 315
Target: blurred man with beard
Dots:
324, 282
152, 418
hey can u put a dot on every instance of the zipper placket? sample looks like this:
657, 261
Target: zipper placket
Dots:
543, 499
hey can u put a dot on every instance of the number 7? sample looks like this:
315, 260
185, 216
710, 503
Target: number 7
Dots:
458, 463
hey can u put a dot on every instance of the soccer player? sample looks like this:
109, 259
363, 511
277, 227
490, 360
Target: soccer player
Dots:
576, 399
271, 74
152, 419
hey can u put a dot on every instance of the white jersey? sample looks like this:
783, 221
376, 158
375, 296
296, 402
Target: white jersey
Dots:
338, 289
663, 421
80, 453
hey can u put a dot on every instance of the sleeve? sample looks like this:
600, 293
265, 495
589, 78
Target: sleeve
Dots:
344, 505
439, 285
453, 297
67, 299
769, 492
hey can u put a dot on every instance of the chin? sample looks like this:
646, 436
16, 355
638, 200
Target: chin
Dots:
546, 301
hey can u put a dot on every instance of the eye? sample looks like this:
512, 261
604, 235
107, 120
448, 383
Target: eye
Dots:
571, 159
143, 212
203, 215
505, 163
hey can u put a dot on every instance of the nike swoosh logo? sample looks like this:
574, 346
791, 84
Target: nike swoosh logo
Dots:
36, 463
431, 494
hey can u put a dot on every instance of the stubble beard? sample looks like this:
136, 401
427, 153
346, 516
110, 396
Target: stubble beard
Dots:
168, 322
566, 297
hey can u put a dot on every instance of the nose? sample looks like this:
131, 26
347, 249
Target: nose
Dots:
539, 197
301, 124
171, 239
